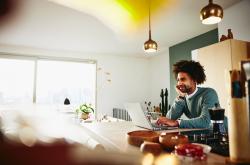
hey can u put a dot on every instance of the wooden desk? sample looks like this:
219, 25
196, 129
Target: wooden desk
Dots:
113, 136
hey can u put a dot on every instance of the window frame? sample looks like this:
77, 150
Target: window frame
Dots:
35, 58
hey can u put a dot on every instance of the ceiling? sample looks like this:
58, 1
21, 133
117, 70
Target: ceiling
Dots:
117, 27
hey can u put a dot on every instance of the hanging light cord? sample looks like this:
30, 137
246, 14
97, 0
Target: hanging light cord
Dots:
149, 25
150, 45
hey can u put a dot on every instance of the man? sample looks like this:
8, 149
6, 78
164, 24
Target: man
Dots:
192, 101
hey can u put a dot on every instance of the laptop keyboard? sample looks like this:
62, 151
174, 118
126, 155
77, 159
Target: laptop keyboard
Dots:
161, 127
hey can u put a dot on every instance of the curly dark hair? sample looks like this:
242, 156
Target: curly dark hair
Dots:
193, 68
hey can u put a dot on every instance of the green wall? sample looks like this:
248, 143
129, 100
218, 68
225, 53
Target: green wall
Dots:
182, 51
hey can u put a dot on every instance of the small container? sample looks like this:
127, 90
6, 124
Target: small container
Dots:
170, 140
229, 34
136, 138
223, 38
151, 147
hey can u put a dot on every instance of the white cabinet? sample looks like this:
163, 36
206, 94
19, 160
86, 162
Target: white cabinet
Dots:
217, 60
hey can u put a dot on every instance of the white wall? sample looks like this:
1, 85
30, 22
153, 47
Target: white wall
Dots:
129, 82
159, 76
237, 18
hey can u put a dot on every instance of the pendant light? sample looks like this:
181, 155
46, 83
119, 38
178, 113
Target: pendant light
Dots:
211, 14
150, 45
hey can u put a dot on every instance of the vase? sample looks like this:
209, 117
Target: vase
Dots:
84, 116
223, 38
229, 34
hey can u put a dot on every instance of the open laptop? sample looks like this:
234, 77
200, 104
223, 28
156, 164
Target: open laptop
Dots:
140, 119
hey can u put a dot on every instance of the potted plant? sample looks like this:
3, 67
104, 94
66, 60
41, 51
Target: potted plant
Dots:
85, 110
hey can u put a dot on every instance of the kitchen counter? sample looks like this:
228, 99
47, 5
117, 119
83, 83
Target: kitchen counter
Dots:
112, 135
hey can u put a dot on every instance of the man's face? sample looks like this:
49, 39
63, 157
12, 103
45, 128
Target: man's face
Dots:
185, 83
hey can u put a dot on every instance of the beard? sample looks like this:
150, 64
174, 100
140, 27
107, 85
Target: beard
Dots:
184, 88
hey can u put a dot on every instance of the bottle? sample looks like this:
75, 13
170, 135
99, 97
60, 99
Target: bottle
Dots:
229, 34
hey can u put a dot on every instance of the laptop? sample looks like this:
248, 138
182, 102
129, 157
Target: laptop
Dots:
140, 119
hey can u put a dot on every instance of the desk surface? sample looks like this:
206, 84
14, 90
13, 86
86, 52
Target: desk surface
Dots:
113, 136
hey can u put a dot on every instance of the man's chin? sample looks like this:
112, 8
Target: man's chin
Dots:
184, 90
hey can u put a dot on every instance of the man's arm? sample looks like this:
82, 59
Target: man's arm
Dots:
176, 109
174, 113
203, 121
166, 121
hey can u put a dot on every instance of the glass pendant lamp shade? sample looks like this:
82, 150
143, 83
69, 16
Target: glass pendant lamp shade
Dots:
211, 14
150, 45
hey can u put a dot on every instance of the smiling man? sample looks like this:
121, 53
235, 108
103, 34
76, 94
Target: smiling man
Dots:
192, 101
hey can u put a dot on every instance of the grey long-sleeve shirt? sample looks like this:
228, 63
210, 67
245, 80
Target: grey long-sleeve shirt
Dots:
197, 110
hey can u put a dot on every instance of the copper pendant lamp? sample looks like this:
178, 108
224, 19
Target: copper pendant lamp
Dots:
211, 14
150, 45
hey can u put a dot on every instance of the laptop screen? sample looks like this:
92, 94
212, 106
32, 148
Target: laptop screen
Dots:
137, 115
140, 119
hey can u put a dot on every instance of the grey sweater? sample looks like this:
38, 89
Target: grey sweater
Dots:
197, 110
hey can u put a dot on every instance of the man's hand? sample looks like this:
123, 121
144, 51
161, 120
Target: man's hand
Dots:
181, 90
168, 122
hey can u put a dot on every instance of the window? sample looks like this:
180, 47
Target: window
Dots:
57, 80
17, 80
47, 81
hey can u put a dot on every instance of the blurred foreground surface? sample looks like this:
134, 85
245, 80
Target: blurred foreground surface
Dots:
42, 135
